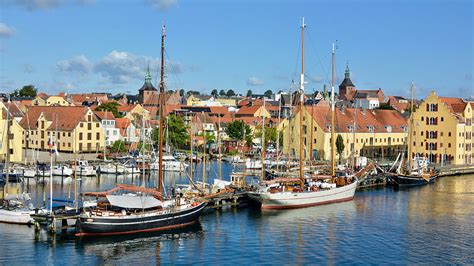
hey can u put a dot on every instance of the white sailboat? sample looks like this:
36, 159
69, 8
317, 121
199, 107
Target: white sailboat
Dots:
306, 191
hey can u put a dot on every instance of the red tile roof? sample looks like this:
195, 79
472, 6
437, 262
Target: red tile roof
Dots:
378, 119
63, 117
122, 124
457, 105
104, 115
248, 110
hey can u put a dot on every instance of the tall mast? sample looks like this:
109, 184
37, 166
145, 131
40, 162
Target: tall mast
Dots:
161, 99
219, 145
262, 150
204, 153
410, 132
191, 148
7, 157
332, 116
301, 100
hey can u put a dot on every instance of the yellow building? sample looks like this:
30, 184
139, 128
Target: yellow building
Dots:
442, 130
226, 101
16, 134
369, 133
72, 128
39, 100
133, 111
57, 101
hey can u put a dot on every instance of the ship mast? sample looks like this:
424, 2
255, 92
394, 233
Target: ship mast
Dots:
333, 174
410, 132
161, 110
301, 101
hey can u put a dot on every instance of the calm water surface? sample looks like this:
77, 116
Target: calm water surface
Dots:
431, 224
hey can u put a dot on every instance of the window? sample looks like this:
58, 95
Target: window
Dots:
80, 136
442, 119
98, 135
422, 118
89, 136
82, 124
315, 128
370, 128
89, 126
449, 145
314, 141
449, 134
351, 128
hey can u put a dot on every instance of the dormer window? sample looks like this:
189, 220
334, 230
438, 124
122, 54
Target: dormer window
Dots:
405, 128
351, 128
370, 128
388, 128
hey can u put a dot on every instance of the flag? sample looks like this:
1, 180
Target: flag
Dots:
52, 147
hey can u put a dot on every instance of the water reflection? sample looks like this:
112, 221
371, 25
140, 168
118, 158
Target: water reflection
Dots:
431, 224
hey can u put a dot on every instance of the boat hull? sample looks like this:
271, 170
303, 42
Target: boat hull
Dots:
409, 181
15, 217
290, 200
103, 226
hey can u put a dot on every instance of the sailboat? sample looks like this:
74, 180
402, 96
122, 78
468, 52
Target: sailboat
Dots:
305, 191
417, 173
146, 209
14, 208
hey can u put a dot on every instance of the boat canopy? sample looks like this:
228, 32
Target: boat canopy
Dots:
133, 202
123, 187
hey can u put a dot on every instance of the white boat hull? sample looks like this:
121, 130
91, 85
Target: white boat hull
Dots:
85, 171
15, 217
290, 200
66, 171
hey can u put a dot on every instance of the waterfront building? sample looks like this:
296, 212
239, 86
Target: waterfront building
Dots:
107, 122
442, 130
72, 128
369, 133
15, 138
133, 112
128, 130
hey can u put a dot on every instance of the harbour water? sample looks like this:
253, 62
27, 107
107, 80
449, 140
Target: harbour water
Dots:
430, 224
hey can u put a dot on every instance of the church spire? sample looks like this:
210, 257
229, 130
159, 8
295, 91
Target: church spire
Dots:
148, 75
347, 75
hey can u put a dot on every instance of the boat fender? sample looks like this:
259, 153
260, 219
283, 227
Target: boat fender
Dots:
194, 204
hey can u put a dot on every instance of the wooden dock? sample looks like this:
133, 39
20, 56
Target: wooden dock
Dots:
456, 170
235, 198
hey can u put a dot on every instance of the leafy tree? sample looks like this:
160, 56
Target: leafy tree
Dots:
191, 92
178, 133
26, 91
222, 93
111, 107
235, 131
214, 93
339, 146
230, 93
268, 94
118, 146
181, 92
249, 93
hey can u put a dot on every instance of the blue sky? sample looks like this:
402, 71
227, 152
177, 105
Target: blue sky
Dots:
105, 46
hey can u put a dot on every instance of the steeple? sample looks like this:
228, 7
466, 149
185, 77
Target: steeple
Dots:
347, 75
148, 75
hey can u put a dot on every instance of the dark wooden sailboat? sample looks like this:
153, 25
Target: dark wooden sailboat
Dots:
417, 173
145, 210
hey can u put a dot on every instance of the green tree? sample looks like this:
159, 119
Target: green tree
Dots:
178, 133
181, 92
339, 146
111, 107
230, 93
222, 93
249, 93
235, 131
385, 106
214, 93
268, 94
118, 146
26, 91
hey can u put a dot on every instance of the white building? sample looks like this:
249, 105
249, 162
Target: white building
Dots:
107, 122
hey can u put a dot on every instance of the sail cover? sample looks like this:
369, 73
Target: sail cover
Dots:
133, 202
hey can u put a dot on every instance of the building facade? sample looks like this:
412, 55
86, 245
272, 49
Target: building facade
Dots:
442, 130
376, 134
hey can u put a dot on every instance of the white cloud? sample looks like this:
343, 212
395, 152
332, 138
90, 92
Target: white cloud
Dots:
162, 4
122, 67
254, 81
79, 64
33, 4
5, 30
